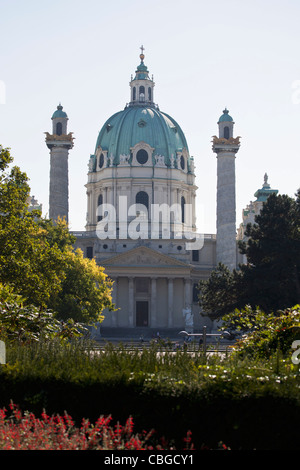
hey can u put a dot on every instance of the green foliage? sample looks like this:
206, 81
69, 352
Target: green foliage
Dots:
218, 294
14, 188
271, 277
167, 391
23, 323
264, 334
85, 290
29, 263
151, 368
37, 259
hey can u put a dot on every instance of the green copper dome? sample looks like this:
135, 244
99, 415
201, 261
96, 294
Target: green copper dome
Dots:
142, 123
59, 113
225, 116
147, 124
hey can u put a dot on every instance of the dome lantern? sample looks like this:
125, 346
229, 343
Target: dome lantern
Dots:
225, 125
59, 121
141, 85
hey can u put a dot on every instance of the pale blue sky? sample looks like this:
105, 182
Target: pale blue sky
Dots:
203, 55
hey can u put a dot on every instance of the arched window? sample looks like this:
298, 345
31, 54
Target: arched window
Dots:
142, 156
101, 160
59, 128
142, 93
134, 94
226, 132
100, 202
182, 209
149, 94
182, 162
142, 198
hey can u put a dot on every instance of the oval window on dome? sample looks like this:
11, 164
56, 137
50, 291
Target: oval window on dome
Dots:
142, 156
101, 160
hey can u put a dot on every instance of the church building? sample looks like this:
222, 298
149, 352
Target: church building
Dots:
141, 210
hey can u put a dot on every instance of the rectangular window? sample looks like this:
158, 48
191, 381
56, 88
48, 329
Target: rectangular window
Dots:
89, 252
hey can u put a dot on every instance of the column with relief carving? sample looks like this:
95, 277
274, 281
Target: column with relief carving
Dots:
226, 147
59, 143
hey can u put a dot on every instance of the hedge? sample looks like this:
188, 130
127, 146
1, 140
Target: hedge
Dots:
247, 406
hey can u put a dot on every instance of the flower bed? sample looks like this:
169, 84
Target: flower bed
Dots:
23, 431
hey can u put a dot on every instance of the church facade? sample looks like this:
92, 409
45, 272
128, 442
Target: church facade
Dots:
141, 205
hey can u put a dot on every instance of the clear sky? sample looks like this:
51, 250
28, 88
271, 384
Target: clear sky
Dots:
204, 55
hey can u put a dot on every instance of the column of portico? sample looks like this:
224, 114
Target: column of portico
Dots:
170, 302
153, 318
187, 292
130, 300
114, 318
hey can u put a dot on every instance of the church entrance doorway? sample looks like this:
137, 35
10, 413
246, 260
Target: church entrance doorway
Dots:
142, 310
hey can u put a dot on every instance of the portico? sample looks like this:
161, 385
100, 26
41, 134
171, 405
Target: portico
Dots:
150, 289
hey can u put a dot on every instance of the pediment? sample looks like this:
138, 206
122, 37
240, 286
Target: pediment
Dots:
144, 256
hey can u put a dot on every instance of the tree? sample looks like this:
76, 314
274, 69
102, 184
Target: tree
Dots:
272, 273
218, 293
37, 258
86, 290
28, 323
28, 262
271, 277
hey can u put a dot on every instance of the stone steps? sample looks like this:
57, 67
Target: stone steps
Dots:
138, 332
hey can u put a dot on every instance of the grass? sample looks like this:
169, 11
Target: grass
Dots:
242, 402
